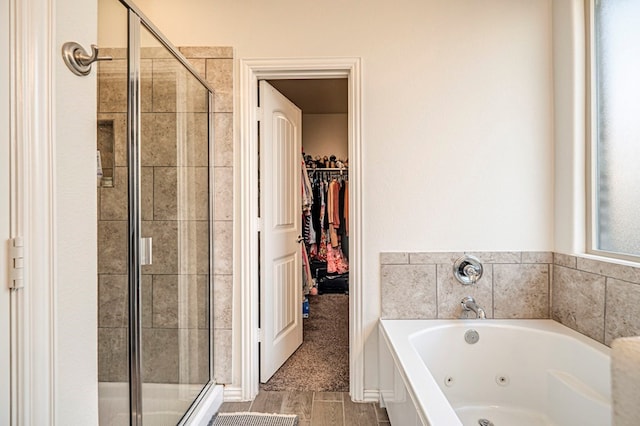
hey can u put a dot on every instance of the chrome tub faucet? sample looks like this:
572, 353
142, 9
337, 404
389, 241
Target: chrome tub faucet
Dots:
469, 304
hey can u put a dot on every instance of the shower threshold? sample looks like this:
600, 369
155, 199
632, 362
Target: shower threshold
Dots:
162, 403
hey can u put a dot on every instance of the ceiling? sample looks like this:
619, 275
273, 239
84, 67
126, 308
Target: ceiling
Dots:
321, 96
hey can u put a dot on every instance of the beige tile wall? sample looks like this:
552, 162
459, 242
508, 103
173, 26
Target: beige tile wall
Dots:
216, 64
422, 285
597, 298
175, 287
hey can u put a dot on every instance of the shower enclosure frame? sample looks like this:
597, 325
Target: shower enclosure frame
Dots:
136, 19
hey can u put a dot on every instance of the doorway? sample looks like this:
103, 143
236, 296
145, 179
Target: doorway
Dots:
319, 361
251, 71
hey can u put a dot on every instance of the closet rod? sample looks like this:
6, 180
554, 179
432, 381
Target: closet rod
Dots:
323, 169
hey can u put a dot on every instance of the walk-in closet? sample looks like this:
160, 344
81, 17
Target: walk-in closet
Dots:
321, 363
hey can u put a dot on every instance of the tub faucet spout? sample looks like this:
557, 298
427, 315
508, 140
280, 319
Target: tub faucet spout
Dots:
469, 304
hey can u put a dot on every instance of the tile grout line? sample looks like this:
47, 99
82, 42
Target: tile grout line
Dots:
493, 279
549, 290
604, 313
437, 306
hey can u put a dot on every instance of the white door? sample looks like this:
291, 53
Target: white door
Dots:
280, 209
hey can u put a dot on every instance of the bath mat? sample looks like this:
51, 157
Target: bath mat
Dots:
254, 419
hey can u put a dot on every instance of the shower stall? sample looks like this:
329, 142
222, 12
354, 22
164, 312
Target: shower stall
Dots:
155, 237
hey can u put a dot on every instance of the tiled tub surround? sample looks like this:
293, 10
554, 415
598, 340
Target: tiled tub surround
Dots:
171, 278
594, 297
597, 298
422, 285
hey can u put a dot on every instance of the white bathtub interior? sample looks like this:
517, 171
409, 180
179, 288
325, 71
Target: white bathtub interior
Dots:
520, 372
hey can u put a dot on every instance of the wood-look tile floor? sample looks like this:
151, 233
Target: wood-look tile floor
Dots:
314, 408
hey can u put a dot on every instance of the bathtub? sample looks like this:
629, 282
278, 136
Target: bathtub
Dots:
518, 372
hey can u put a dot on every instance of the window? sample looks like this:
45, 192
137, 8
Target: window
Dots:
615, 128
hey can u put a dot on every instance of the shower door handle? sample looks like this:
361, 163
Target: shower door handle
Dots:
146, 251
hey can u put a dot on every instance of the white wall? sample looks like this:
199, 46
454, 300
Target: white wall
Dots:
76, 398
325, 135
457, 113
474, 112
112, 23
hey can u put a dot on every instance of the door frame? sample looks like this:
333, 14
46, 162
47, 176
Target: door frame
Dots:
5, 225
252, 70
32, 195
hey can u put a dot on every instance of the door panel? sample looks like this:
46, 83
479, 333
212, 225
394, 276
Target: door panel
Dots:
281, 260
174, 154
283, 184
284, 319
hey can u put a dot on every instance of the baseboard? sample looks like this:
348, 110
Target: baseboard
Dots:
232, 394
371, 395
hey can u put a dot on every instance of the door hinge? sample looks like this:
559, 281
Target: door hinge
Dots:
259, 224
259, 113
16, 252
260, 335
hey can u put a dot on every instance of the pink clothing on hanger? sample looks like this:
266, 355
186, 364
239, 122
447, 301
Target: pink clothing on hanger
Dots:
336, 262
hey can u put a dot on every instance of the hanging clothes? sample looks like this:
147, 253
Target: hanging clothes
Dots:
325, 227
336, 262
308, 233
322, 248
325, 201
334, 211
335, 194
346, 207
315, 210
307, 277
307, 190
342, 227
307, 229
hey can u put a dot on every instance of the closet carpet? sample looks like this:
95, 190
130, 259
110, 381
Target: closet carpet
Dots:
321, 363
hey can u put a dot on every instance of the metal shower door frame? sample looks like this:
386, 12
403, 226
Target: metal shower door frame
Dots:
136, 19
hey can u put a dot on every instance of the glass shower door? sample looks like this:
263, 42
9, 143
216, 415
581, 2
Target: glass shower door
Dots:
113, 213
174, 214
154, 237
